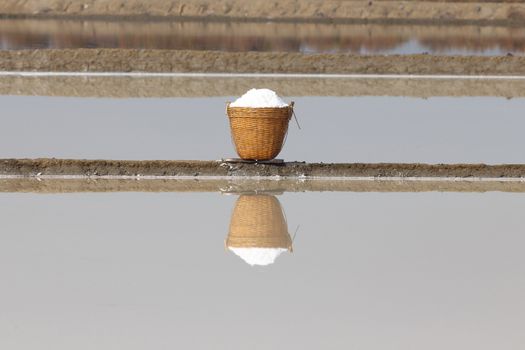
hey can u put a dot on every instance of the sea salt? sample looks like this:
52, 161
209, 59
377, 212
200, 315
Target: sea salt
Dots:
259, 98
258, 256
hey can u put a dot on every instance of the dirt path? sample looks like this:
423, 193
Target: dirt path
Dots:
119, 60
283, 10
196, 169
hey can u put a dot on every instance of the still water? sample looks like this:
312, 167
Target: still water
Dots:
16, 34
365, 270
334, 129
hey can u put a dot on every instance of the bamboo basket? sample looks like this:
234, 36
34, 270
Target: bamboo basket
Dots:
259, 133
258, 221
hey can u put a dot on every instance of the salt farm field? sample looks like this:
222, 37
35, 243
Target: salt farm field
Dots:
393, 222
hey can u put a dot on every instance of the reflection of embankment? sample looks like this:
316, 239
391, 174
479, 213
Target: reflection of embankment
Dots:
32, 185
244, 36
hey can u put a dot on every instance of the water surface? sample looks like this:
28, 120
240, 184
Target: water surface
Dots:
334, 129
368, 270
366, 39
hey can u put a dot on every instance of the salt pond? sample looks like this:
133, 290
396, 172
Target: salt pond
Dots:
368, 270
334, 129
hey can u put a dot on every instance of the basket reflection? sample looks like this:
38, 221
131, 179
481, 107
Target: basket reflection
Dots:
258, 229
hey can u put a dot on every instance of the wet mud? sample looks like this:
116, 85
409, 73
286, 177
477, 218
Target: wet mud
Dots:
195, 169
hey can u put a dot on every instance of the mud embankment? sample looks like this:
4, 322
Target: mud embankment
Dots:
67, 176
195, 169
187, 61
263, 10
124, 87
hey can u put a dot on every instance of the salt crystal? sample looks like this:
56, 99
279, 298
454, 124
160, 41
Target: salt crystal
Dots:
255, 98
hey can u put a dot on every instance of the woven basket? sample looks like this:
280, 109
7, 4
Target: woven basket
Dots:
258, 222
259, 133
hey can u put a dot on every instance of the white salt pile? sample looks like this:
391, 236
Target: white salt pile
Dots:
259, 98
258, 256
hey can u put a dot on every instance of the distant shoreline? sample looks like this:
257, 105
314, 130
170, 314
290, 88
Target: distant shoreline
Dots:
413, 11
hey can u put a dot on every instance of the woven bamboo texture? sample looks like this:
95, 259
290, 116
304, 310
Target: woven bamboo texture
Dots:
259, 133
258, 222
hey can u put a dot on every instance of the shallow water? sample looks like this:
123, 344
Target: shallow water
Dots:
334, 129
16, 34
368, 270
